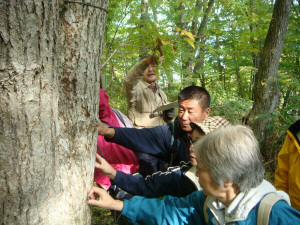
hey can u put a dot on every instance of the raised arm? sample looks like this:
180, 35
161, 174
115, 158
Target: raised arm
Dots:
136, 73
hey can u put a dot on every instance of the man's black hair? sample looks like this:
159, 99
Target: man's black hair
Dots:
197, 93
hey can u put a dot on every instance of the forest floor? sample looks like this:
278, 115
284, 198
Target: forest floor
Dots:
101, 216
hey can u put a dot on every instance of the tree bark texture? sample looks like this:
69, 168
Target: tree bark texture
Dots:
50, 54
265, 90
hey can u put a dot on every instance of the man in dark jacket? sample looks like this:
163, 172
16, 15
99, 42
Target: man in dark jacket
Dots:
178, 181
169, 142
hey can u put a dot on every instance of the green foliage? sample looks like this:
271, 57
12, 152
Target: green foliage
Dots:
230, 106
225, 51
221, 57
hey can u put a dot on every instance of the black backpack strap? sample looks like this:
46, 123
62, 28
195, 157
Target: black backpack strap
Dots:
119, 116
101, 153
173, 126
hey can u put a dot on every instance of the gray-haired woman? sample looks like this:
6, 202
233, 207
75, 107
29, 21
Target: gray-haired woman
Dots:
231, 175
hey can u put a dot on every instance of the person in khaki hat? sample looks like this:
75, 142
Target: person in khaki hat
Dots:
178, 181
144, 94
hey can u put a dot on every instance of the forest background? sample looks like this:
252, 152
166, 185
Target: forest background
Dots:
213, 44
53, 55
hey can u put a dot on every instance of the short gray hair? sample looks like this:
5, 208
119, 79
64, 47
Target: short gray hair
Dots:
231, 154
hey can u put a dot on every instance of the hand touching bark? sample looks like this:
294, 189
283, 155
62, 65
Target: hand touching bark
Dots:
104, 167
100, 197
105, 131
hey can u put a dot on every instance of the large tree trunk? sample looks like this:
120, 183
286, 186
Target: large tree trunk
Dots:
265, 91
50, 53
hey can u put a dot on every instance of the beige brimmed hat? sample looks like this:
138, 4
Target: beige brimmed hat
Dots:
211, 123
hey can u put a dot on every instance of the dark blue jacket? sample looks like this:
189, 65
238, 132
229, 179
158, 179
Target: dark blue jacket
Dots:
158, 141
177, 181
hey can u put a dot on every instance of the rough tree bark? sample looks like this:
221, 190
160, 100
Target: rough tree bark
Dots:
265, 90
50, 54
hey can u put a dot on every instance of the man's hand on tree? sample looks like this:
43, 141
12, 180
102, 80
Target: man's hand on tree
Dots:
104, 167
105, 131
100, 197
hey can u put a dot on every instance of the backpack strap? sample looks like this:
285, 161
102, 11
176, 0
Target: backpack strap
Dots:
177, 135
205, 208
173, 143
265, 208
101, 153
119, 116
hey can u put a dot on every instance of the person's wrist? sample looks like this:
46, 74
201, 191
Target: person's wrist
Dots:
113, 174
117, 205
110, 132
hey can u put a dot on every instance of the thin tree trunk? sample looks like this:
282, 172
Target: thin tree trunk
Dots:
265, 91
239, 82
51, 58
219, 65
143, 26
200, 63
255, 43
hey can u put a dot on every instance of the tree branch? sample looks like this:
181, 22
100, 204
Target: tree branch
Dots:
115, 51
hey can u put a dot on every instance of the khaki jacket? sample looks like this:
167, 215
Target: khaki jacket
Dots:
287, 175
142, 101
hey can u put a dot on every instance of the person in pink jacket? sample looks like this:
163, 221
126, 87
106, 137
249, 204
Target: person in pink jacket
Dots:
118, 156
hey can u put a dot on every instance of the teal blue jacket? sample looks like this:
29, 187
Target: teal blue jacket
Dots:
189, 210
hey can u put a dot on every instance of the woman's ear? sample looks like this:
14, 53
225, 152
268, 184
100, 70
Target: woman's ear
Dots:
232, 186
228, 184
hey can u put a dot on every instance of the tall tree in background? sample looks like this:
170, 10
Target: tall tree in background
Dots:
50, 53
144, 26
265, 91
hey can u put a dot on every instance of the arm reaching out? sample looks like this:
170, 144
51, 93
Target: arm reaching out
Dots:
105, 200
104, 167
135, 74
105, 131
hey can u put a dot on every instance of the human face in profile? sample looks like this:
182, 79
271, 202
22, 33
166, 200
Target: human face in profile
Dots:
190, 110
